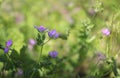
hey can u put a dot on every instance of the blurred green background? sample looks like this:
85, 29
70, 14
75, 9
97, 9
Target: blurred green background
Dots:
18, 18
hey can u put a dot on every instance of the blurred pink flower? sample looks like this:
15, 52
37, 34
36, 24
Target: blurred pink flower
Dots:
106, 31
19, 72
100, 56
91, 11
31, 44
19, 17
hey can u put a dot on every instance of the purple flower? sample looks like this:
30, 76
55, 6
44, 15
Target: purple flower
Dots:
19, 72
40, 28
53, 34
8, 45
106, 31
100, 56
56, 35
32, 42
91, 11
6, 49
53, 54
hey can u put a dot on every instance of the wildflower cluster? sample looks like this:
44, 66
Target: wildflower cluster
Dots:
21, 63
53, 34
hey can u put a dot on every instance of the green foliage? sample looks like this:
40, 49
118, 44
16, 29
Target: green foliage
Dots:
80, 24
40, 38
17, 37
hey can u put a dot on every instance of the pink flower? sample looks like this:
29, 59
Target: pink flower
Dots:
106, 31
31, 43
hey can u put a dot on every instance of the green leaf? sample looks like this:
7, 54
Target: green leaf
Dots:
40, 38
43, 36
1, 65
63, 36
17, 38
114, 67
3, 58
26, 60
15, 57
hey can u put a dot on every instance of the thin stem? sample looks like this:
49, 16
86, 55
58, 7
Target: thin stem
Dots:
1, 47
46, 41
14, 68
111, 37
40, 55
32, 74
39, 58
110, 40
107, 49
98, 60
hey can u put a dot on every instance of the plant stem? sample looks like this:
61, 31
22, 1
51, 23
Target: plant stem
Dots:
46, 42
39, 58
40, 55
14, 68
